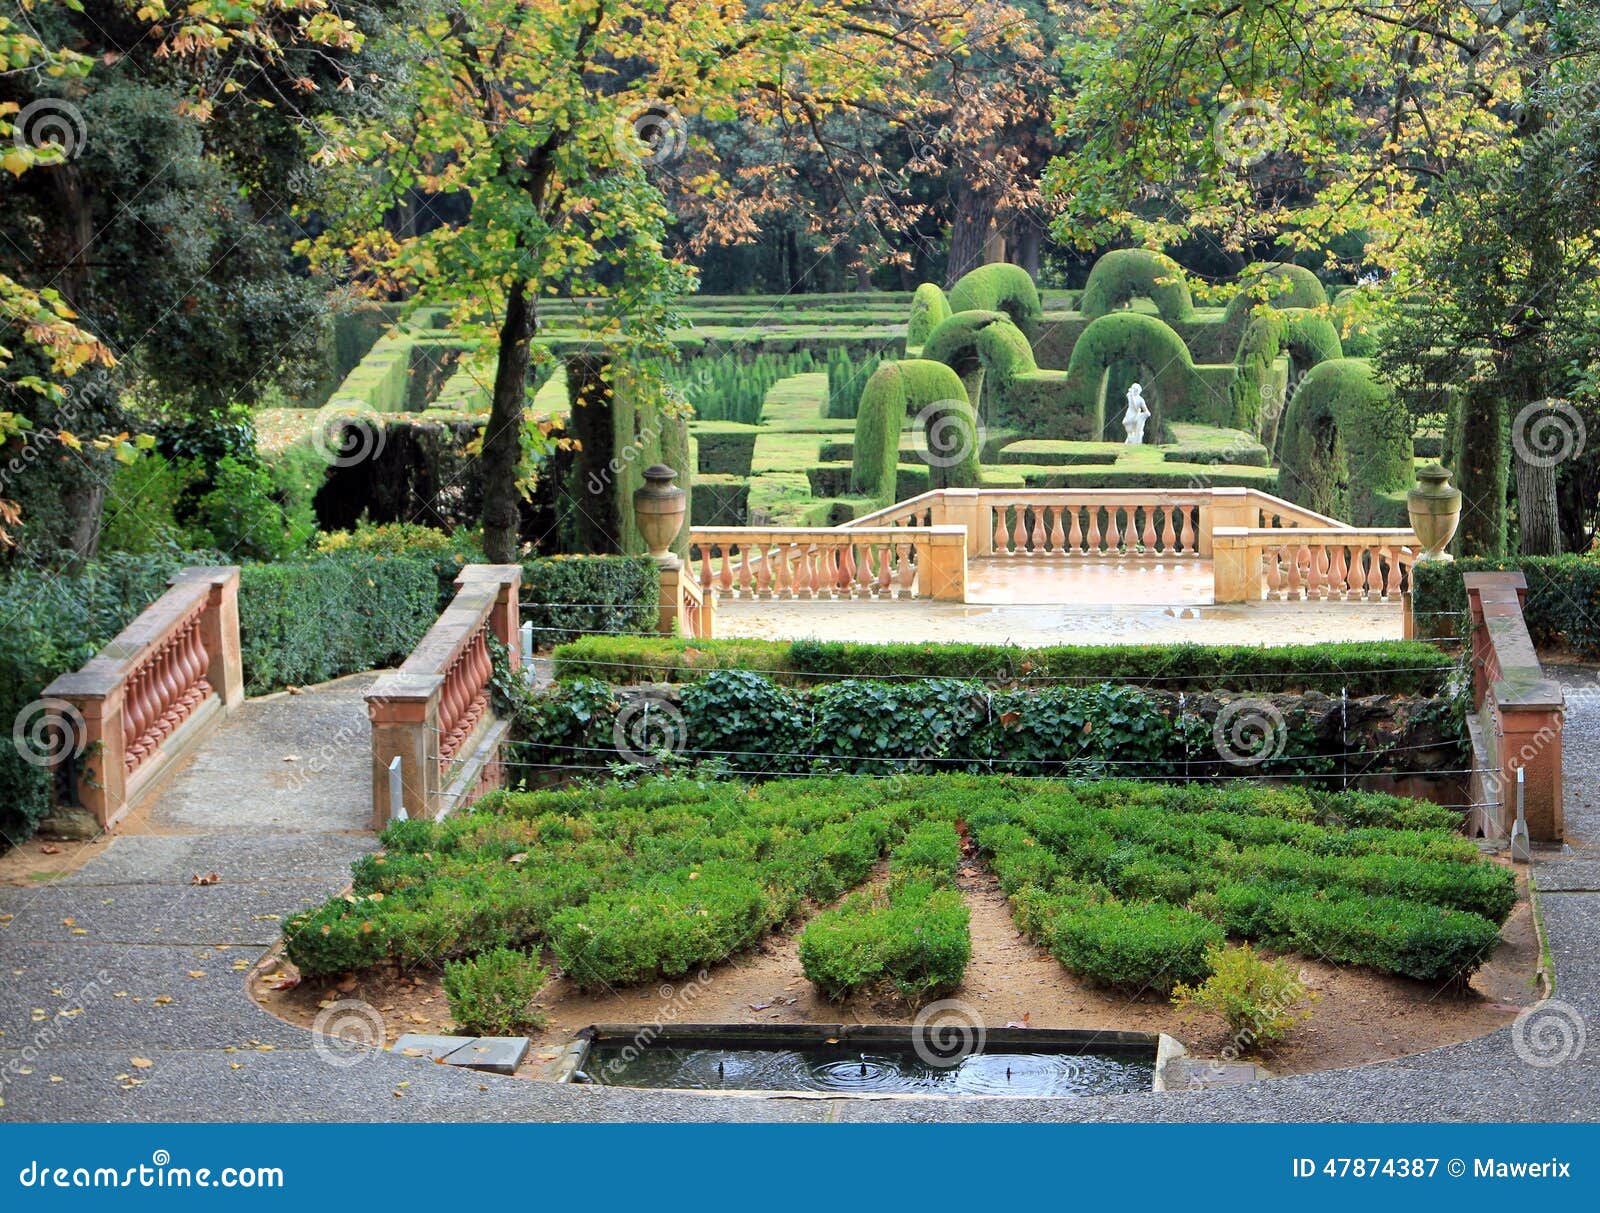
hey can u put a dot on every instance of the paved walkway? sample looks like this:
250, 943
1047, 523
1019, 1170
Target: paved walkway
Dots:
126, 959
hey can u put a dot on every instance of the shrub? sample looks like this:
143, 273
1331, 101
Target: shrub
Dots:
492, 994
141, 510
1360, 668
999, 287
1135, 946
1257, 997
448, 550
929, 308
307, 621
915, 944
242, 518
1561, 610
567, 596
1346, 445
747, 721
930, 853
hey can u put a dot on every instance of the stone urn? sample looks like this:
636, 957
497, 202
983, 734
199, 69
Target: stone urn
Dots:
1435, 508
658, 508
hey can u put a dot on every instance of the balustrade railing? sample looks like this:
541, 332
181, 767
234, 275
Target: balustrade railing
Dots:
140, 703
433, 714
1353, 565
1110, 522
880, 563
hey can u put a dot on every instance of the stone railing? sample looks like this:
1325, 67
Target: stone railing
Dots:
1294, 564
433, 714
858, 563
1518, 717
143, 701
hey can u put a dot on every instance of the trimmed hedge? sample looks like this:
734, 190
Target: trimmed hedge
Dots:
1346, 446
1137, 947
929, 306
916, 390
1122, 275
999, 287
1361, 667
1563, 608
567, 596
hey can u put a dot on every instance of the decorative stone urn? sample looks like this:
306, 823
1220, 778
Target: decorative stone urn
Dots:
658, 508
1435, 508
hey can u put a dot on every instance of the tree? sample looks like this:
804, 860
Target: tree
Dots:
148, 155
552, 115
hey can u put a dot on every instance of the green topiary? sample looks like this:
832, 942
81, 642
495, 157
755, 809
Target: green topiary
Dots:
929, 307
1346, 446
1125, 274
923, 389
492, 994
1000, 287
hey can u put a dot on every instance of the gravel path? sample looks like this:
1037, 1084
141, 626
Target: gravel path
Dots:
152, 967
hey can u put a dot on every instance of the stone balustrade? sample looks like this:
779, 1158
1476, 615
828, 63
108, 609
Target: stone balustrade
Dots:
1518, 714
861, 563
143, 701
434, 712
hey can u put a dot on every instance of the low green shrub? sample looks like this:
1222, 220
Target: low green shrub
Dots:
450, 551
566, 596
242, 518
1134, 946
492, 994
930, 853
1360, 668
1260, 999
915, 944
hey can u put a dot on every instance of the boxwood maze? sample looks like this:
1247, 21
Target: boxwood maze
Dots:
1127, 884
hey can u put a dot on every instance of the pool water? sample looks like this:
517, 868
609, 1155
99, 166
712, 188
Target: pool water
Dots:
863, 1069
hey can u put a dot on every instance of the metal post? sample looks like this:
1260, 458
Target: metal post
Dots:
397, 802
1520, 851
526, 632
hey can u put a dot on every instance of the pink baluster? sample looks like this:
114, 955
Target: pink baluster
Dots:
1113, 538
1392, 586
705, 567
1340, 571
1149, 533
1274, 556
1001, 547
1074, 532
1374, 575
764, 571
1058, 536
1040, 531
725, 572
885, 560
1093, 546
1019, 536
814, 569
908, 571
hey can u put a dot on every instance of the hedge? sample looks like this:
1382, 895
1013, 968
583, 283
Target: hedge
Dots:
1562, 611
916, 390
1359, 667
567, 596
1346, 446
999, 287
1125, 274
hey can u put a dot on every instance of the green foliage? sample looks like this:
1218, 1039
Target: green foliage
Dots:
929, 307
1562, 611
448, 550
748, 721
1346, 447
999, 287
919, 390
848, 373
1123, 275
930, 853
141, 509
566, 596
1134, 946
728, 389
492, 993
915, 944
242, 518
1257, 997
1358, 667
306, 621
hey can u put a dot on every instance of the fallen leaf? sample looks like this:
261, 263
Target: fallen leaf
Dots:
210, 878
197, 973
141, 1063
49, 848
161, 999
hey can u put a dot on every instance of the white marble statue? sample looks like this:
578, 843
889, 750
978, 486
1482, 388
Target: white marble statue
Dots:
1138, 412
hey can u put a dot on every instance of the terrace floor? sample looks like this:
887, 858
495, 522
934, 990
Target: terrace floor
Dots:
1057, 600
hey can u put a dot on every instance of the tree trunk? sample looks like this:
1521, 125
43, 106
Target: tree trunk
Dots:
969, 233
502, 435
1538, 520
1027, 240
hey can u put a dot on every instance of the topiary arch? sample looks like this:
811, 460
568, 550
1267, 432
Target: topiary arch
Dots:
975, 342
1347, 446
929, 308
1127, 274
1000, 288
921, 388
1276, 283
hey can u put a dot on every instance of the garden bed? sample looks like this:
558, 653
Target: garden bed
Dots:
1078, 904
